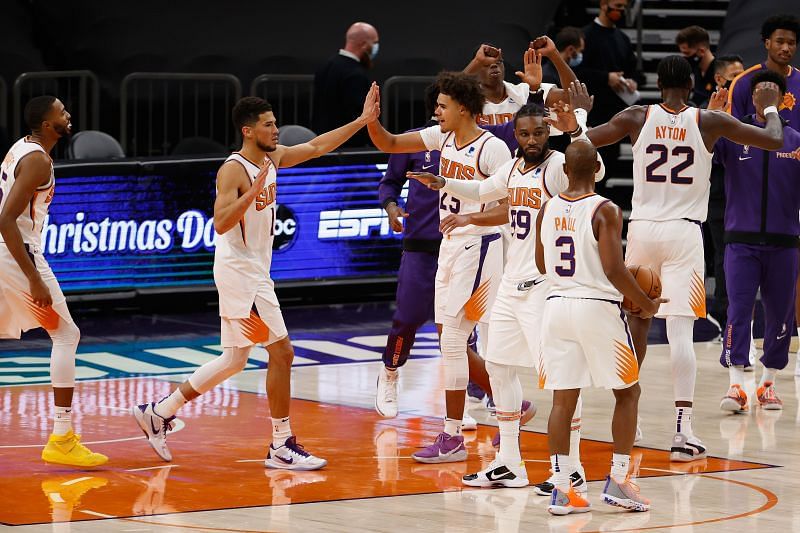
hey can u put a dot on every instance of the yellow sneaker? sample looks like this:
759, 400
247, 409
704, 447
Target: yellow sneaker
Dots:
68, 450
69, 491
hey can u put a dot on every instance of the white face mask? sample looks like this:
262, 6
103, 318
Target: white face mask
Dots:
575, 61
374, 51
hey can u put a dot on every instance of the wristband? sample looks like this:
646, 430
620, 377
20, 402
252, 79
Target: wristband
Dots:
770, 109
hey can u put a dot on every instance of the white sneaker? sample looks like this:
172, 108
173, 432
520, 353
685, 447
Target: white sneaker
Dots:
685, 449
468, 423
386, 396
498, 474
154, 427
577, 480
292, 456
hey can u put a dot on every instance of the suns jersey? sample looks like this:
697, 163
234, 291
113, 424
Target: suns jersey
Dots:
671, 167
476, 160
571, 252
243, 254
31, 221
516, 97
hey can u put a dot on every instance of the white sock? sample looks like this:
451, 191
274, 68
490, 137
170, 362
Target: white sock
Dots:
769, 375
561, 467
683, 421
736, 373
168, 406
575, 435
62, 421
509, 442
452, 426
280, 431
619, 466
682, 357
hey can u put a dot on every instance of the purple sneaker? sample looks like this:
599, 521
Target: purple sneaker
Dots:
445, 449
474, 392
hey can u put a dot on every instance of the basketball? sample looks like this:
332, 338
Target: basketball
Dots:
648, 280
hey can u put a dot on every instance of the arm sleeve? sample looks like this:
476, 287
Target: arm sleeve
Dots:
392, 182
492, 188
433, 137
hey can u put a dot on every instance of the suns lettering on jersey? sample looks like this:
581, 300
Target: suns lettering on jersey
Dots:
456, 170
525, 197
667, 132
266, 196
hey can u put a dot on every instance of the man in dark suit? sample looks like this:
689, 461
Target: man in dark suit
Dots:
341, 84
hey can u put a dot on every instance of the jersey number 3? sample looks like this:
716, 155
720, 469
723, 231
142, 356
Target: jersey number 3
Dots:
661, 159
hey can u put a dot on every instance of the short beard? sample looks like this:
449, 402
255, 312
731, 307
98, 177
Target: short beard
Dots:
266, 148
535, 159
62, 131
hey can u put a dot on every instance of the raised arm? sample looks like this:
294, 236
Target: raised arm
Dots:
546, 47
289, 156
31, 173
766, 98
607, 227
484, 57
402, 143
229, 207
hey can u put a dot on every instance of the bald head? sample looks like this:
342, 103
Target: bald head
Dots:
581, 162
361, 39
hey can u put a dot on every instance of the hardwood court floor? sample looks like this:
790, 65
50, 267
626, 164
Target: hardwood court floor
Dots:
217, 481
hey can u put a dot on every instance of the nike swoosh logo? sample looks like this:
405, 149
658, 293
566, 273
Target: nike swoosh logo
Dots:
538, 281
781, 336
491, 476
426, 167
155, 430
744, 158
287, 461
470, 246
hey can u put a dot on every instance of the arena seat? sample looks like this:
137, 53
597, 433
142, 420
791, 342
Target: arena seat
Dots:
92, 144
293, 134
198, 146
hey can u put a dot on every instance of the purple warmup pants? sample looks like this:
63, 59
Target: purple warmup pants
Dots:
774, 270
415, 293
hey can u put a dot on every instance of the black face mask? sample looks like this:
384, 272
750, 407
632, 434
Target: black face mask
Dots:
617, 16
728, 84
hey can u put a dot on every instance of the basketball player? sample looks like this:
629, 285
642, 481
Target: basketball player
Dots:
30, 296
470, 257
515, 322
672, 146
579, 246
244, 216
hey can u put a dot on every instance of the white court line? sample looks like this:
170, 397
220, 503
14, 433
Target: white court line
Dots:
94, 513
666, 470
77, 480
179, 425
250, 460
151, 468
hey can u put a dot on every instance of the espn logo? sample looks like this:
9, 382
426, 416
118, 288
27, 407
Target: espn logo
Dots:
354, 224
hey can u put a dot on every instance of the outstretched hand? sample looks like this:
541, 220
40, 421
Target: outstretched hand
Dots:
564, 117
532, 74
718, 100
579, 97
372, 105
431, 181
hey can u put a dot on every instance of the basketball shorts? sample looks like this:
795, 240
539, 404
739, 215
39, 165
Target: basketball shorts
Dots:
515, 323
674, 250
264, 325
18, 313
586, 342
467, 278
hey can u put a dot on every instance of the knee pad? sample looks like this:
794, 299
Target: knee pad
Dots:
66, 334
453, 344
62, 358
214, 372
236, 358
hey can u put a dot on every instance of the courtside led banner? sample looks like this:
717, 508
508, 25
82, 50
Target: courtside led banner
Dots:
148, 224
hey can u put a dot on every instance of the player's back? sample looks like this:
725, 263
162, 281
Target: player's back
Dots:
31, 221
248, 246
671, 167
571, 252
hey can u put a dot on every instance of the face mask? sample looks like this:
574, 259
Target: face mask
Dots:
694, 60
615, 15
374, 51
728, 84
575, 61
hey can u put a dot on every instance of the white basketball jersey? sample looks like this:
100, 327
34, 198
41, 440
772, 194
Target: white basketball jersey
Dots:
571, 252
31, 221
671, 167
527, 191
516, 97
476, 160
247, 247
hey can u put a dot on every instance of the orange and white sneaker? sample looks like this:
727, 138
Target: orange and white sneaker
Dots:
768, 398
735, 401
625, 495
562, 503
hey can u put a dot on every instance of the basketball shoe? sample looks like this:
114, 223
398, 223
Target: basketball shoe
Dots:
577, 480
686, 448
562, 503
69, 491
445, 449
625, 495
475, 394
735, 400
67, 450
292, 456
767, 397
498, 474
386, 397
154, 427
